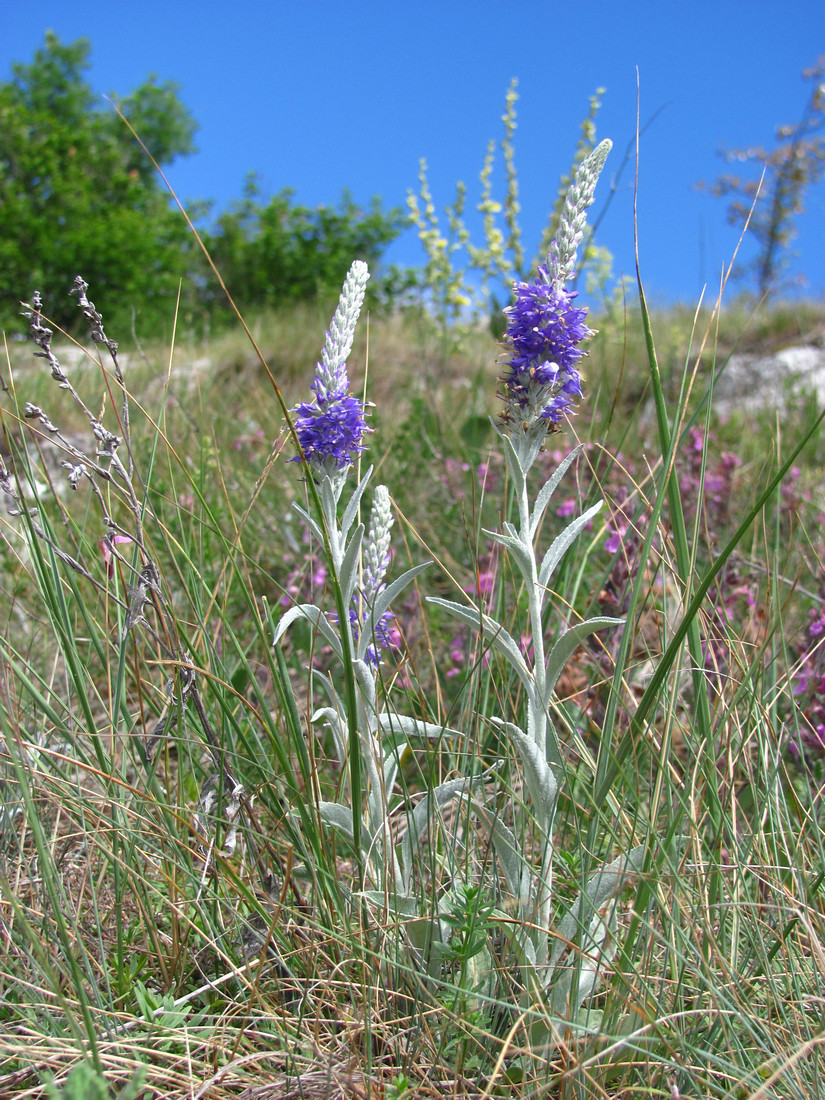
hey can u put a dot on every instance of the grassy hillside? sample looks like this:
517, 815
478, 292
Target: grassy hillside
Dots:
177, 916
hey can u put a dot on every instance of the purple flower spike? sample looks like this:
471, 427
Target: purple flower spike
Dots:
331, 432
544, 331
331, 428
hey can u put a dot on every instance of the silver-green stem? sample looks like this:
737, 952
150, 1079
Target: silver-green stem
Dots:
329, 493
537, 729
362, 742
382, 853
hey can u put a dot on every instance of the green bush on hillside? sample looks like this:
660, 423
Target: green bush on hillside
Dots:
78, 194
273, 253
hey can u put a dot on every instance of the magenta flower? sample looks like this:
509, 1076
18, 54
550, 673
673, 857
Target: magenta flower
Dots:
106, 551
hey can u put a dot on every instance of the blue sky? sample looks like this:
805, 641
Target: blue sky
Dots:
326, 95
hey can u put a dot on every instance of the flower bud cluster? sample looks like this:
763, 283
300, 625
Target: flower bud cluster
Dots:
331, 428
544, 328
561, 259
544, 331
376, 560
377, 551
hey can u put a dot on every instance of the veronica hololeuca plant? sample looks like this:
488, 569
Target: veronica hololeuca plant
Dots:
331, 430
541, 381
545, 331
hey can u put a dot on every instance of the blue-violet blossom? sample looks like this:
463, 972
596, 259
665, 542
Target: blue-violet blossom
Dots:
331, 428
331, 431
544, 331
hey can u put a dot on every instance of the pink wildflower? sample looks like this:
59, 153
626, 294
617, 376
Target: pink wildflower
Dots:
106, 550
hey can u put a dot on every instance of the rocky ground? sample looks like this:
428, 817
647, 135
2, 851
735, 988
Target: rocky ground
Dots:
750, 381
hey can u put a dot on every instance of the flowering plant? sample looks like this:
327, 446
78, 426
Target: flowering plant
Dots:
541, 380
370, 741
543, 338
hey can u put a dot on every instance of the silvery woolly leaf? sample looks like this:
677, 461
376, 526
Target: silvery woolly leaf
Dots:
513, 865
513, 464
547, 490
352, 504
601, 887
389, 722
329, 688
595, 946
519, 939
329, 501
588, 1021
348, 573
386, 596
310, 522
530, 952
542, 731
340, 727
382, 604
540, 778
418, 821
399, 905
498, 636
521, 554
316, 617
338, 816
327, 714
525, 443
425, 936
392, 762
366, 685
566, 645
563, 542
596, 951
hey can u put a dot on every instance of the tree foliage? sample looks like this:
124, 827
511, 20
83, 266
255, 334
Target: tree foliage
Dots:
78, 195
797, 162
275, 252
